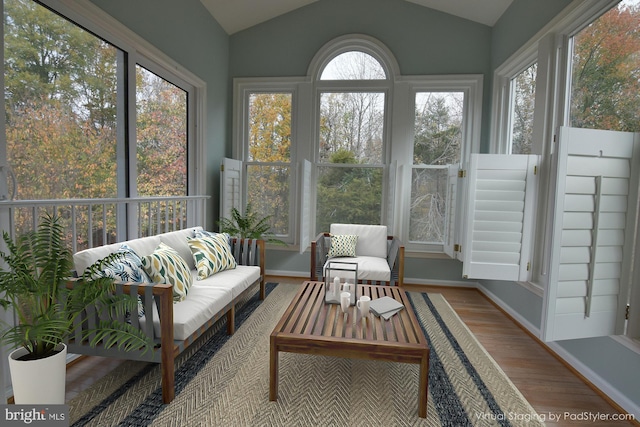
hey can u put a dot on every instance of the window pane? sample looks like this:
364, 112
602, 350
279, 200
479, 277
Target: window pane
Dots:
268, 192
438, 128
270, 127
353, 66
605, 86
428, 205
351, 127
437, 142
524, 96
61, 105
269, 174
161, 109
348, 195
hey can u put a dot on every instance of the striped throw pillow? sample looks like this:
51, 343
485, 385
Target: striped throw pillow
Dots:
211, 254
165, 265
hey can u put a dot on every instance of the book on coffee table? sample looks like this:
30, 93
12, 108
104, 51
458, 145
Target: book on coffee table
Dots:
385, 307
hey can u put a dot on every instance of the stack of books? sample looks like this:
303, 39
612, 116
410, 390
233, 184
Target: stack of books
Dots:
385, 307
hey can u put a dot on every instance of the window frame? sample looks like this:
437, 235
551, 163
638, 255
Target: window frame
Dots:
139, 51
406, 89
398, 132
242, 90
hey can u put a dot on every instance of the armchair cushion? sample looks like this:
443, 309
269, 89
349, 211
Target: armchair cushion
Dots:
369, 268
372, 239
343, 245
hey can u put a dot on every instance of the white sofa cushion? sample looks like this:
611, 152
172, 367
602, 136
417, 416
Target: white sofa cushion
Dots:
201, 305
178, 241
369, 268
237, 279
372, 239
206, 298
142, 246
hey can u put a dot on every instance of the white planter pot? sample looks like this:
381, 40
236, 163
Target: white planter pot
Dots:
39, 381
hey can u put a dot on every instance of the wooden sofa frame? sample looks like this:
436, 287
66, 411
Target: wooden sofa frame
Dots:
395, 259
166, 349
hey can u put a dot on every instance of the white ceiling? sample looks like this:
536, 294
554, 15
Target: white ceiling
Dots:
237, 15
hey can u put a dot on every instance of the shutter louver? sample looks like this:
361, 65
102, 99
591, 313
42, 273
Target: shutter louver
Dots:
593, 210
501, 192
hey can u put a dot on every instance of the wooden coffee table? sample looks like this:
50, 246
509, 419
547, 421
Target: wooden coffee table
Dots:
310, 326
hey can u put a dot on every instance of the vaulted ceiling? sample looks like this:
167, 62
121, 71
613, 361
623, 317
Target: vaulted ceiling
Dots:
237, 15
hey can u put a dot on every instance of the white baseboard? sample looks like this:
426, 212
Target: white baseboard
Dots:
514, 314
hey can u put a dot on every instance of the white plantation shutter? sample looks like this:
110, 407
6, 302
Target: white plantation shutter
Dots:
451, 237
593, 233
305, 209
500, 195
230, 186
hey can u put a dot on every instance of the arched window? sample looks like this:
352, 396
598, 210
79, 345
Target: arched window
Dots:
353, 65
353, 87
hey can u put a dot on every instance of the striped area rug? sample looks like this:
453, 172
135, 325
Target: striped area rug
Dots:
226, 381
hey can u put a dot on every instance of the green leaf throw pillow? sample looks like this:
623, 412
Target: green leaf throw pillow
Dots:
343, 245
211, 254
165, 265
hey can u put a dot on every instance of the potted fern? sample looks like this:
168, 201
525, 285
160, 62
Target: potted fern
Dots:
248, 225
34, 283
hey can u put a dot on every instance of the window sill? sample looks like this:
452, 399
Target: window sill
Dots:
533, 288
632, 344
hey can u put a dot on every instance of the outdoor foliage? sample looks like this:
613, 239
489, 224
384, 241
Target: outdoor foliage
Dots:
65, 110
606, 72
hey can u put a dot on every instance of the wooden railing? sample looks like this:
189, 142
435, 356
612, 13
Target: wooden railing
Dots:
94, 222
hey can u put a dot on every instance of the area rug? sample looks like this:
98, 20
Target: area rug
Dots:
226, 381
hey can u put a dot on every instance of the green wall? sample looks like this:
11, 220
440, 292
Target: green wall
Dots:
520, 22
186, 32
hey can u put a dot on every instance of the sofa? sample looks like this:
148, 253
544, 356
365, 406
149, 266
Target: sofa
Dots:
378, 257
185, 281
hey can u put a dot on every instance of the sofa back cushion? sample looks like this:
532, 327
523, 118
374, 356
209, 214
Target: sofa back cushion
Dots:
372, 239
142, 246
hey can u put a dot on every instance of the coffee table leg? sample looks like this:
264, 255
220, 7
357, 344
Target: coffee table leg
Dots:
273, 370
424, 385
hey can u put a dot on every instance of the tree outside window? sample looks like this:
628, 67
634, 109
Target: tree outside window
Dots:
605, 77
523, 98
437, 144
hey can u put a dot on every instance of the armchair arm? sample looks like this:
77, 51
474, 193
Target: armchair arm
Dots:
395, 259
319, 251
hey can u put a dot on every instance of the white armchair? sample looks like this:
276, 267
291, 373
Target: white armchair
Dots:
379, 257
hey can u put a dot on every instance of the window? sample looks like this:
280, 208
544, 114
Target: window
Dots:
437, 143
161, 129
523, 100
587, 220
339, 159
269, 158
351, 143
68, 90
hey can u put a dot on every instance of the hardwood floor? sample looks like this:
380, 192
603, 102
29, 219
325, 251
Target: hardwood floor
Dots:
550, 387
554, 391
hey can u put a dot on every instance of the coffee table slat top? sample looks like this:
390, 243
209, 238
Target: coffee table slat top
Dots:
310, 316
